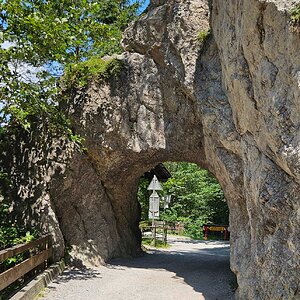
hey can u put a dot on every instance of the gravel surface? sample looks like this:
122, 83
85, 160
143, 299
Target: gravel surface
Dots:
187, 270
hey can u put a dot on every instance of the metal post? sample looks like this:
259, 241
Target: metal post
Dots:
153, 231
225, 233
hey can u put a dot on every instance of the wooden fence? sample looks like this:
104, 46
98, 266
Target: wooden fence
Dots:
178, 229
39, 251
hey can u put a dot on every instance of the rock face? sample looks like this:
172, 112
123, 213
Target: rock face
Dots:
260, 59
228, 101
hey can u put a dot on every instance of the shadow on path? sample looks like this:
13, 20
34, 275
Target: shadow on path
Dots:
81, 273
206, 270
202, 265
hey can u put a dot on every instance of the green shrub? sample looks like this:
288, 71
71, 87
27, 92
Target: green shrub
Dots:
79, 74
193, 228
202, 35
295, 14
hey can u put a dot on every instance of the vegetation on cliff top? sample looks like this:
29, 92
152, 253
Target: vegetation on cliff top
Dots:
79, 74
295, 14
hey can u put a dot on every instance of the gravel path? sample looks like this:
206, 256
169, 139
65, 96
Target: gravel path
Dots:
187, 270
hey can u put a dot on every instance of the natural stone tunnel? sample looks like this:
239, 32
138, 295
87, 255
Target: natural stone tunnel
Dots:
229, 103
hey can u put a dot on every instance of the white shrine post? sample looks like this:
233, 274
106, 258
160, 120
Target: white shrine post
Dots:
154, 205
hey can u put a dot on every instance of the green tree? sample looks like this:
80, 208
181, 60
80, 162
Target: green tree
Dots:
49, 36
195, 192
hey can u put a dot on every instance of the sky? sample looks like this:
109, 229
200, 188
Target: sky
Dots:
146, 3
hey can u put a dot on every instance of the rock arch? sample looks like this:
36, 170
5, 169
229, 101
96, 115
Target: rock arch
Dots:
224, 103
229, 103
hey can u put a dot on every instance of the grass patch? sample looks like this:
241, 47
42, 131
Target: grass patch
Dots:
295, 14
159, 243
202, 35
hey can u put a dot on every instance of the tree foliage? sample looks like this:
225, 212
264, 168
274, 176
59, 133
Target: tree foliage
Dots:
40, 39
197, 197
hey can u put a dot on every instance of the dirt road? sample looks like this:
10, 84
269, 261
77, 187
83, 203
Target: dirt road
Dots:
187, 270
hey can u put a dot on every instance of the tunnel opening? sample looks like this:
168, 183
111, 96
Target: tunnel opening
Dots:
191, 199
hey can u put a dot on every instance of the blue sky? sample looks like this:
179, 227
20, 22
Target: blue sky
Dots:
145, 5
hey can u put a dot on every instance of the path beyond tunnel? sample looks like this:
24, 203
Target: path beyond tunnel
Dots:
188, 270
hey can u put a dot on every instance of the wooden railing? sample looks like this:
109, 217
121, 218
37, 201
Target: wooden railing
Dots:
177, 229
40, 251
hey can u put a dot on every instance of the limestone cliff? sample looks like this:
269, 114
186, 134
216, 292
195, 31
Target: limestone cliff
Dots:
228, 101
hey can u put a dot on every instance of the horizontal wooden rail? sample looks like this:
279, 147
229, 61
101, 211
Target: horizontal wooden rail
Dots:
17, 249
11, 275
159, 227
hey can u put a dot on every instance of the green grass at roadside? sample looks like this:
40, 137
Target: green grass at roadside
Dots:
159, 243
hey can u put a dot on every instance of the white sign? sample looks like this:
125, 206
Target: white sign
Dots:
168, 199
154, 185
154, 202
154, 215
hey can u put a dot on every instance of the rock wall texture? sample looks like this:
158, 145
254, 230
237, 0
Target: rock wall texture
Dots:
229, 103
32, 161
260, 59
